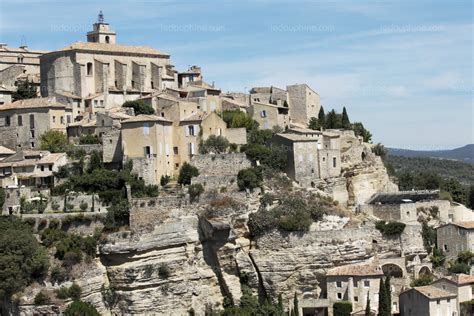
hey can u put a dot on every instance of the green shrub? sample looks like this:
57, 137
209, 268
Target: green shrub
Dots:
71, 258
59, 274
54, 141
62, 293
89, 139
75, 291
79, 308
342, 308
187, 172
437, 258
83, 206
41, 298
2, 197
215, 144
164, 180
139, 107
249, 178
117, 215
460, 267
391, 228
422, 281
164, 272
195, 190
429, 236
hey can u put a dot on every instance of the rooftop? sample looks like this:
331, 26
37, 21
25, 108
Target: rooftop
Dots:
145, 118
298, 137
460, 279
465, 225
32, 104
198, 116
112, 48
433, 292
404, 197
6, 151
31, 158
360, 269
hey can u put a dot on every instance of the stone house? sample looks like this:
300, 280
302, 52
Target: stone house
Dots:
206, 96
31, 168
408, 206
428, 301
24, 121
147, 141
272, 95
5, 152
311, 156
353, 283
105, 74
454, 238
304, 103
190, 76
462, 285
269, 115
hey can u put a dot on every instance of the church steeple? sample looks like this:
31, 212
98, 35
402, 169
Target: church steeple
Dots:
101, 32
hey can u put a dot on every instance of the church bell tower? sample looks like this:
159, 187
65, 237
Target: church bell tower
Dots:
101, 32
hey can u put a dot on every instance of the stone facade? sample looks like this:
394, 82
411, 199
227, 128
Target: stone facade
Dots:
427, 301
454, 238
304, 103
269, 115
459, 284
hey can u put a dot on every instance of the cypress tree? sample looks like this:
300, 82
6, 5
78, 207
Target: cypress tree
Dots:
295, 310
321, 118
280, 304
388, 296
382, 298
367, 306
331, 120
346, 124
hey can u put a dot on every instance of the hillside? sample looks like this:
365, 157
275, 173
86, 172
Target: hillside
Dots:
461, 171
464, 154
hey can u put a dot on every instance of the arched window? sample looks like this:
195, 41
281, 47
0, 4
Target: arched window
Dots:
20, 59
107, 39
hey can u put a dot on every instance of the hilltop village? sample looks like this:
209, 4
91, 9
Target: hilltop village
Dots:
135, 188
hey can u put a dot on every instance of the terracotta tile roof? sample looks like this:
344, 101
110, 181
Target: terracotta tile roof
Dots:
145, 118
198, 116
361, 269
47, 158
32, 104
465, 225
113, 48
433, 292
461, 279
297, 137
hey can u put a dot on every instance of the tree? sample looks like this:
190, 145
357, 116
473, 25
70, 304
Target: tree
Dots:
367, 305
382, 298
359, 130
25, 90
388, 296
346, 124
470, 201
80, 308
2, 197
248, 178
187, 172
215, 144
456, 189
342, 308
95, 161
332, 120
313, 123
195, 190
296, 310
54, 141
118, 215
321, 118
139, 107
22, 259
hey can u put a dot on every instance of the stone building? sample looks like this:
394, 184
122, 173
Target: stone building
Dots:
147, 141
462, 285
5, 152
304, 103
31, 168
428, 301
353, 283
193, 74
269, 115
454, 238
408, 206
272, 95
311, 155
24, 121
17, 64
104, 74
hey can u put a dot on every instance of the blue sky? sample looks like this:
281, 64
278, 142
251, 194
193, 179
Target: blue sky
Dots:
403, 68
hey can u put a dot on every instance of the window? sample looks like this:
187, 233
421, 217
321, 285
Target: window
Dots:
107, 39
334, 162
54, 119
147, 151
20, 120
20, 59
339, 296
42, 168
7, 121
338, 284
191, 130
32, 132
146, 129
68, 119
366, 283
101, 102
50, 167
32, 121
438, 302
445, 247
449, 300
263, 113
356, 298
62, 119
152, 85
32, 145
89, 69
175, 150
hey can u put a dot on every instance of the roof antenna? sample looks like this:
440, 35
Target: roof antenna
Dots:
101, 17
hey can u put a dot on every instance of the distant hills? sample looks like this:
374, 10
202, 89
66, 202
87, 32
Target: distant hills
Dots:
464, 154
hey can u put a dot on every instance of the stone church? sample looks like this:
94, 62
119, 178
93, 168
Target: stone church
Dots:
100, 74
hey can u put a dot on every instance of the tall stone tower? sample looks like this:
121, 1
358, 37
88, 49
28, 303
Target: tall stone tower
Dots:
101, 32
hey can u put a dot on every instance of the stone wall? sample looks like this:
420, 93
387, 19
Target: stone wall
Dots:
89, 148
112, 146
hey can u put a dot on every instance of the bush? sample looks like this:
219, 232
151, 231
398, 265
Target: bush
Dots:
195, 190
460, 267
71, 258
41, 298
2, 197
164, 272
437, 258
342, 308
164, 180
22, 259
215, 144
429, 236
117, 215
139, 107
422, 281
59, 274
89, 139
75, 291
54, 141
249, 178
187, 172
83, 206
79, 308
391, 228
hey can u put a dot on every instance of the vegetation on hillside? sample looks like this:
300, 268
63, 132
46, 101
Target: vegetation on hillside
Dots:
139, 107
54, 141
